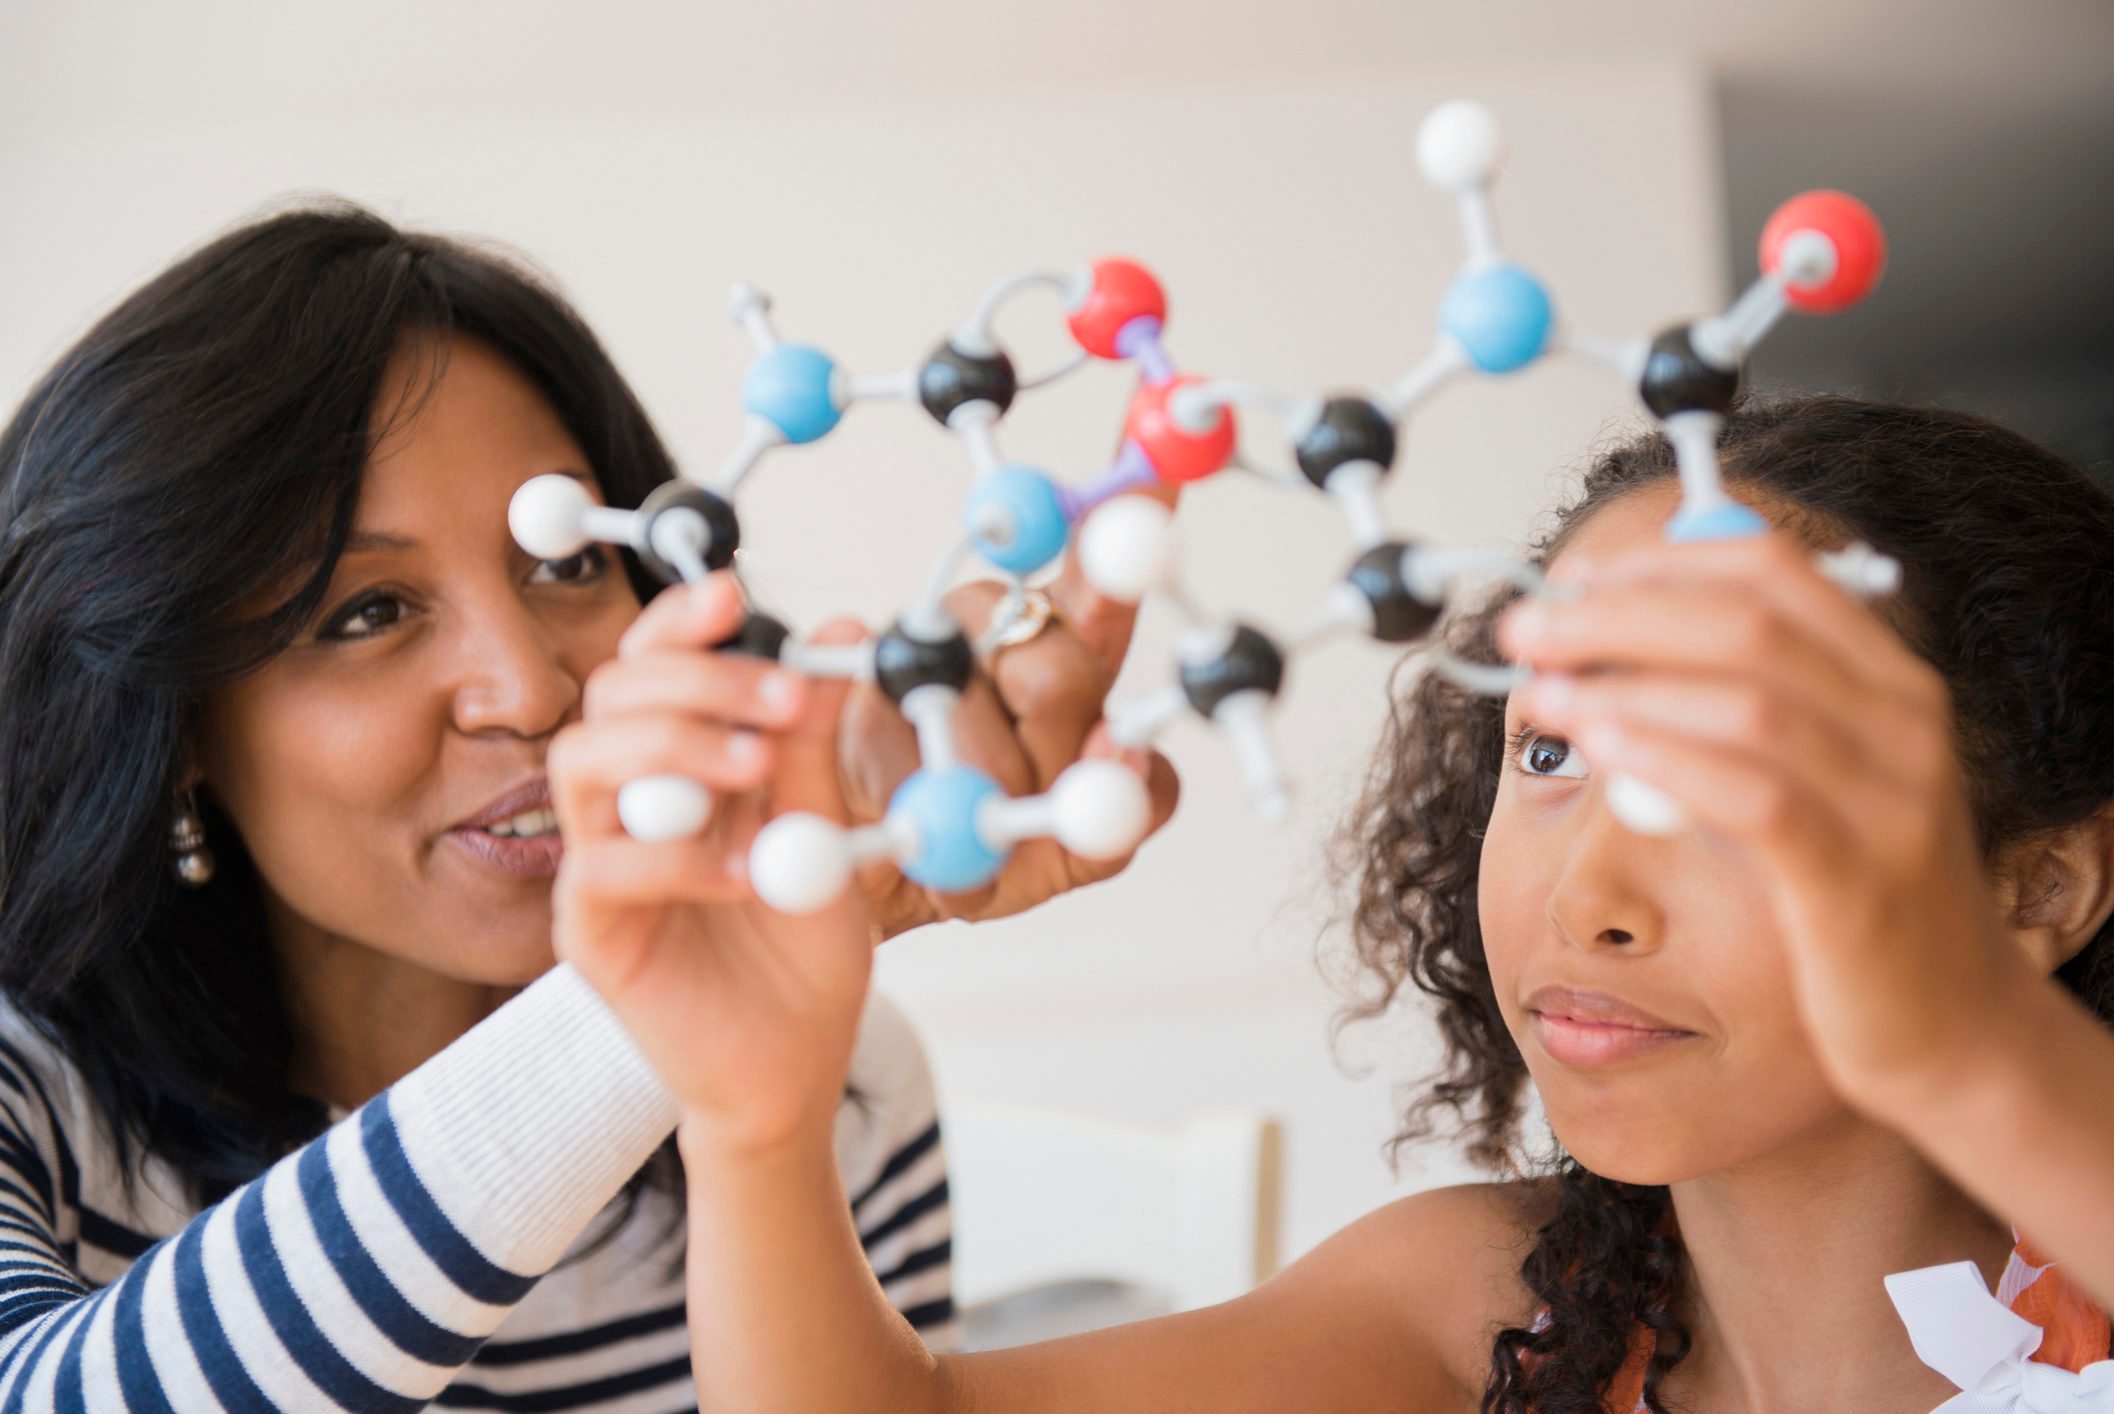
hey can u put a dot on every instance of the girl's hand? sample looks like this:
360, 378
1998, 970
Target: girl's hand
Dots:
1032, 710
1784, 715
748, 1015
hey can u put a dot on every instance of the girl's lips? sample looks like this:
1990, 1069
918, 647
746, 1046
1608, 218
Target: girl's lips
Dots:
1579, 1042
1578, 1026
522, 858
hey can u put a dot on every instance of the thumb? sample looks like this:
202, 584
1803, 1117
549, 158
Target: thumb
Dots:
807, 777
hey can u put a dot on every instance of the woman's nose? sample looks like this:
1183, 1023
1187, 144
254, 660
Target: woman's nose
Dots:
1603, 896
515, 675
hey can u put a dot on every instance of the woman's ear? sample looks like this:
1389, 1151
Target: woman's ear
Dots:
2057, 890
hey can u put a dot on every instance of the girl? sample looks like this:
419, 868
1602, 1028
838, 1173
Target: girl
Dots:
294, 1109
1851, 1023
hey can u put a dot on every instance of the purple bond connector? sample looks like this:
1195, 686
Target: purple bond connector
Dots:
1139, 341
1130, 469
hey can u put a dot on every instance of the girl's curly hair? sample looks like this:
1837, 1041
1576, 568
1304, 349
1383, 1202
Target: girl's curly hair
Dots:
2007, 555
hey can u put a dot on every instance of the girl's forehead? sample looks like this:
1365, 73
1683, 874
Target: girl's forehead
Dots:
1629, 522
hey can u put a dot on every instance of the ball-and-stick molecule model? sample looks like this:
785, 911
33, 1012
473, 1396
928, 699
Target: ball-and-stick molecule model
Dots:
1821, 252
950, 826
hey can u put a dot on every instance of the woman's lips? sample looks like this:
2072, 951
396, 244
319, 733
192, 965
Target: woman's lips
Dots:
535, 858
1586, 1028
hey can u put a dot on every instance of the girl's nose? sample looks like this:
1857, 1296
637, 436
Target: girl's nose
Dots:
1603, 896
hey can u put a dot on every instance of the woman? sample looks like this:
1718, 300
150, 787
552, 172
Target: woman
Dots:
294, 1109
1851, 1025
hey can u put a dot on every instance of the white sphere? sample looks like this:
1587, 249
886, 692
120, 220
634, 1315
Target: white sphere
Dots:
659, 808
1644, 808
1124, 546
1099, 809
545, 516
1808, 259
1460, 146
800, 863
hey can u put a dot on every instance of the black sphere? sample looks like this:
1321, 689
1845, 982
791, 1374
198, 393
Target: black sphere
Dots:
1677, 379
723, 530
903, 663
1250, 662
760, 636
1398, 615
950, 379
1350, 429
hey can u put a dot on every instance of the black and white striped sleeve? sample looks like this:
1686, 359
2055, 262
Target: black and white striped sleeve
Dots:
895, 1169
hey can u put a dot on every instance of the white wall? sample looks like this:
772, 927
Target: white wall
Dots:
1301, 250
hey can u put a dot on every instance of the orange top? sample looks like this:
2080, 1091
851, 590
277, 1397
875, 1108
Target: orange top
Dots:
2075, 1332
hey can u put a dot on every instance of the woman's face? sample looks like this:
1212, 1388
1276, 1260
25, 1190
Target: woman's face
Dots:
364, 764
1675, 927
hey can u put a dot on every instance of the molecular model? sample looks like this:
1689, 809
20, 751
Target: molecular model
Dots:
950, 826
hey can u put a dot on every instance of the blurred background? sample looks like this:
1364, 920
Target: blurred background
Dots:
876, 166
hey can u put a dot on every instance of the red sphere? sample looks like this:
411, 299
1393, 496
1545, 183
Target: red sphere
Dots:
1850, 226
1177, 454
1122, 291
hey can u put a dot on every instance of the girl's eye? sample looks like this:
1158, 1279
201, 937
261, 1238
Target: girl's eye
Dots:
365, 616
584, 568
1541, 755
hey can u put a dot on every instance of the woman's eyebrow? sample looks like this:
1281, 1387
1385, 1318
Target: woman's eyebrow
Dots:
371, 541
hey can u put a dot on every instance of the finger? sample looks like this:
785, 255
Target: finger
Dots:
1797, 832
1103, 624
1781, 571
1055, 685
623, 872
598, 878
686, 616
806, 776
988, 737
1051, 689
1739, 714
731, 687
590, 763
1705, 628
1162, 785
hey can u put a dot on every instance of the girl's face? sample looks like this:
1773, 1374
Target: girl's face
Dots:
362, 766
1675, 928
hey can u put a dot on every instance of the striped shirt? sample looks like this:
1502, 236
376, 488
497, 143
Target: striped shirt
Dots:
399, 1261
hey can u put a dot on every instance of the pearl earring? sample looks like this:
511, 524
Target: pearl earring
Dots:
187, 840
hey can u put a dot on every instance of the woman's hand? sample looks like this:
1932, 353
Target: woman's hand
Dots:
748, 1015
1032, 710
1784, 715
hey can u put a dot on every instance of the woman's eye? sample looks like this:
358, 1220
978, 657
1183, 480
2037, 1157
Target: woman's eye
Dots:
1540, 755
588, 565
365, 616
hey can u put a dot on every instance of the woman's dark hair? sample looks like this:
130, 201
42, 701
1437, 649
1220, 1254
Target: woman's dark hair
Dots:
2007, 555
200, 450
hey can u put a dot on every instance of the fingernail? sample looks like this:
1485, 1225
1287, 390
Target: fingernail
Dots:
744, 749
778, 690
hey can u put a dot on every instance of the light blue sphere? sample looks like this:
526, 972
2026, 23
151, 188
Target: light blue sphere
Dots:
789, 386
942, 804
1031, 506
1728, 520
1500, 314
